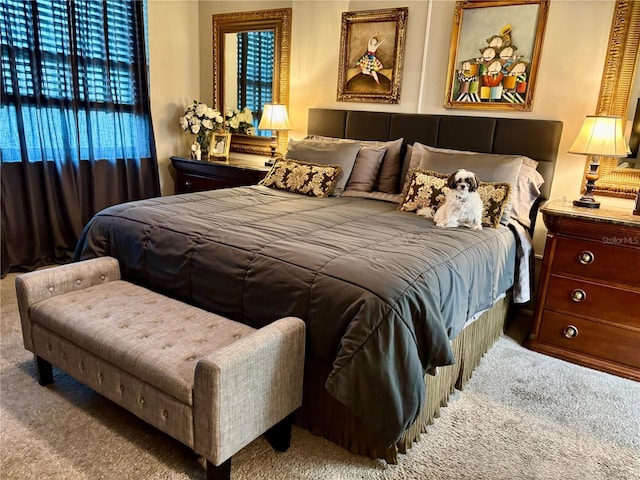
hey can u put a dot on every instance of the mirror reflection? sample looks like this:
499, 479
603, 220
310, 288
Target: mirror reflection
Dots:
248, 72
251, 68
618, 96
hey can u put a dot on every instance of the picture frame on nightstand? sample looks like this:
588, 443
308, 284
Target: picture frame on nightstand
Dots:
220, 146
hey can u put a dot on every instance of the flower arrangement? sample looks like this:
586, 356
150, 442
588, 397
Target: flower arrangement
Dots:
240, 121
200, 120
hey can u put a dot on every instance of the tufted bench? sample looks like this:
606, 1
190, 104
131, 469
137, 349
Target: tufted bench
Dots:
211, 383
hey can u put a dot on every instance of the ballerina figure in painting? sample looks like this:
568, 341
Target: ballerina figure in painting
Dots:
370, 64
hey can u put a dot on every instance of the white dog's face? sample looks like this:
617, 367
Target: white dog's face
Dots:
463, 181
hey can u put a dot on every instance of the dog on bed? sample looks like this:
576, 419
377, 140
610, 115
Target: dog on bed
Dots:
462, 206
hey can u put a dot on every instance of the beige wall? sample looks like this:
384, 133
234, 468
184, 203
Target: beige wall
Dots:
174, 67
567, 87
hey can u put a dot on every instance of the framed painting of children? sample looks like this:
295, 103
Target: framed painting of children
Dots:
371, 54
494, 54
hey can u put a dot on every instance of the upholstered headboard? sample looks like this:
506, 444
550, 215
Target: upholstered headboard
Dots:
537, 139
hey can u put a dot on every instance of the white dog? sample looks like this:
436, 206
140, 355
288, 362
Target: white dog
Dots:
462, 206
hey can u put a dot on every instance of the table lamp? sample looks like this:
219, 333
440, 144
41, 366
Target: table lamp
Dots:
599, 136
274, 118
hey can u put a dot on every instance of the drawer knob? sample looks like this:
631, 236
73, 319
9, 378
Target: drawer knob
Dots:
586, 257
578, 295
187, 184
570, 331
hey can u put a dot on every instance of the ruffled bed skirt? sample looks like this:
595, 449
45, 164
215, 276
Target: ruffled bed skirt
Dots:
323, 415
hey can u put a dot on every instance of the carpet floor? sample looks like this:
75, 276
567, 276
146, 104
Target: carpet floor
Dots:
522, 416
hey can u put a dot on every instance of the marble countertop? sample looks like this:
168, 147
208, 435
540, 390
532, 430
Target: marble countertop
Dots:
605, 214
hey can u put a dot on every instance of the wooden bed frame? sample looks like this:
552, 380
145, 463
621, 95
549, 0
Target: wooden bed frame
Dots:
538, 139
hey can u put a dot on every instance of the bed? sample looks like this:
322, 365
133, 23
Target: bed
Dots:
375, 285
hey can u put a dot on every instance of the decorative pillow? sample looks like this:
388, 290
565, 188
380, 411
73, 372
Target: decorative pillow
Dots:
495, 197
326, 153
301, 177
488, 167
365, 170
424, 189
387, 180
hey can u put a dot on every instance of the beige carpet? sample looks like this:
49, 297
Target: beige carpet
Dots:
522, 416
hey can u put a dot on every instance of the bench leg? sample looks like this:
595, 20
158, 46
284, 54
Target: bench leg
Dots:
43, 371
220, 472
279, 436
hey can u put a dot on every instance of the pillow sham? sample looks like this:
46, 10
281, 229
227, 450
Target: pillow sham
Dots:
387, 180
428, 189
424, 188
495, 198
365, 170
302, 177
488, 167
326, 153
526, 193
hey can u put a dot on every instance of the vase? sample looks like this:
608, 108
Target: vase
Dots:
204, 139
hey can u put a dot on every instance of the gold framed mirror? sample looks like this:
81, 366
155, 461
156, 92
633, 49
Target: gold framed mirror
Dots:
615, 98
226, 27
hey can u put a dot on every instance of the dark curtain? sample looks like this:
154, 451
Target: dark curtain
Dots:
76, 131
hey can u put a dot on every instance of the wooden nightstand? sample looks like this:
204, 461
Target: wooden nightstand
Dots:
588, 305
196, 176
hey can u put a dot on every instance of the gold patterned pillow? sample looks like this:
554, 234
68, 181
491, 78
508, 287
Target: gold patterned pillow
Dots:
495, 197
425, 188
302, 177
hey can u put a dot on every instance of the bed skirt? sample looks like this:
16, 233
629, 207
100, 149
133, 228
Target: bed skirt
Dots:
323, 415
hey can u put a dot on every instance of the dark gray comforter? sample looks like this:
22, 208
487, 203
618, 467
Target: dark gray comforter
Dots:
382, 291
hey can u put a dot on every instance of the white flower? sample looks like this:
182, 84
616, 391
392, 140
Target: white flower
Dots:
208, 124
195, 129
219, 119
184, 124
201, 109
234, 122
210, 112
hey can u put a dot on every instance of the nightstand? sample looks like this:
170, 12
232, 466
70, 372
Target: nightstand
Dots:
588, 306
196, 176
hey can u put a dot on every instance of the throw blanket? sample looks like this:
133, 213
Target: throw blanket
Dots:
382, 291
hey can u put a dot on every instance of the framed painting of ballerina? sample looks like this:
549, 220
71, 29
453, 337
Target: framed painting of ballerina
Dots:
371, 54
494, 54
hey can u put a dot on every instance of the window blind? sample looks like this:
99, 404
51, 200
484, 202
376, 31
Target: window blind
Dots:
255, 73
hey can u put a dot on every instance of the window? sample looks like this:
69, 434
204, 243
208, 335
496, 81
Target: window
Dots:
73, 63
255, 72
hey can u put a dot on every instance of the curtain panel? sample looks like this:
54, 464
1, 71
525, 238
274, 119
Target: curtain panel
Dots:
75, 126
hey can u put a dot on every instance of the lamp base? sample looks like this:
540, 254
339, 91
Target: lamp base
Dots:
586, 203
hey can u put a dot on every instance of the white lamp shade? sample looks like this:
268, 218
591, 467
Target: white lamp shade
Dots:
274, 117
602, 136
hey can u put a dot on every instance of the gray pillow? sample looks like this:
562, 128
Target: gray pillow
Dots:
488, 167
365, 170
326, 153
387, 180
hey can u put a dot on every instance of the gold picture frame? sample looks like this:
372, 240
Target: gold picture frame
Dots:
371, 55
220, 146
621, 66
494, 54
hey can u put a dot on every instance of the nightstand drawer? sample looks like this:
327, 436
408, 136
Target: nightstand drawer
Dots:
598, 260
589, 299
615, 344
